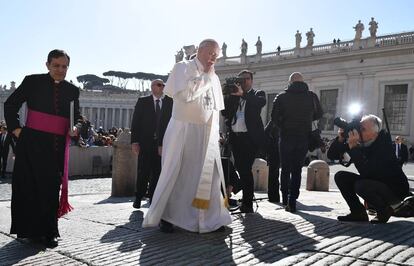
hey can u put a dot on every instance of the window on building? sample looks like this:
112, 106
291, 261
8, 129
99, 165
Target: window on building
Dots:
395, 104
328, 100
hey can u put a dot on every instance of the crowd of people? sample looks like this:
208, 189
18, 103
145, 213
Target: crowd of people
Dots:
89, 136
175, 134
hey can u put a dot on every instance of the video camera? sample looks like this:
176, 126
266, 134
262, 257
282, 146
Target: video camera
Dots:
348, 126
229, 85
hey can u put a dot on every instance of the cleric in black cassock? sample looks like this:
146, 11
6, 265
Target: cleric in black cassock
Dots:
39, 157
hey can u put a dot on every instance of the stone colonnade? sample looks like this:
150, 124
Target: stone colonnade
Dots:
108, 117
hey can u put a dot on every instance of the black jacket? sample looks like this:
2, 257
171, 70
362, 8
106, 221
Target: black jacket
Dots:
295, 109
403, 156
255, 100
376, 162
143, 124
5, 146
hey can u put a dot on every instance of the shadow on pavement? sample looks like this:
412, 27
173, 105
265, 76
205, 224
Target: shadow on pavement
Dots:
183, 247
395, 232
115, 200
316, 208
15, 251
267, 236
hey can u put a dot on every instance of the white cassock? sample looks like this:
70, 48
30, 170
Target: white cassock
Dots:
188, 192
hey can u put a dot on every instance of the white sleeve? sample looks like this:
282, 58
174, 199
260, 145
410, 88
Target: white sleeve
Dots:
186, 84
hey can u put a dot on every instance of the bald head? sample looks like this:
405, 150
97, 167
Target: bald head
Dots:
295, 76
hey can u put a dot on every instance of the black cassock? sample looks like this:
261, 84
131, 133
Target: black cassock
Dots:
39, 155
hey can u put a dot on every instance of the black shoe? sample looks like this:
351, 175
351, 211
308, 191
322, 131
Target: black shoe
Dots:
291, 207
354, 217
166, 227
50, 242
233, 203
137, 204
382, 216
246, 209
220, 229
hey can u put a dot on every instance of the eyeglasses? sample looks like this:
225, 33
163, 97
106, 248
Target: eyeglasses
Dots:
159, 85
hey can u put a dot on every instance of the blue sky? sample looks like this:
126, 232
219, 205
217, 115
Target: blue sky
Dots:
132, 35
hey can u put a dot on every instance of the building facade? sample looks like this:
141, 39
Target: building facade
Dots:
377, 72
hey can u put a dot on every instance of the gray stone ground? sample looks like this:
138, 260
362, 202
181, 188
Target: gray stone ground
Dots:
103, 230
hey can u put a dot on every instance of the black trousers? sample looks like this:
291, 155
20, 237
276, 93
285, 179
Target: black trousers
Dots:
149, 169
231, 177
244, 153
4, 158
273, 178
293, 150
376, 193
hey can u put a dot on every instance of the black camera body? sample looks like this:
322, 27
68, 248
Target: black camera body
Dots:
348, 126
229, 85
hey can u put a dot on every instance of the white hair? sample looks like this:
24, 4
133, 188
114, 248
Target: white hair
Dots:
376, 121
207, 42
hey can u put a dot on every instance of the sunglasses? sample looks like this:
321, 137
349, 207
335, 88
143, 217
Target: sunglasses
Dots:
159, 85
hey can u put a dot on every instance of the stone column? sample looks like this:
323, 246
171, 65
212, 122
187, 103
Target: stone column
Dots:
124, 166
98, 117
127, 118
120, 117
113, 117
106, 118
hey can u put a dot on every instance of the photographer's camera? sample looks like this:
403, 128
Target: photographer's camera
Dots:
347, 126
230, 83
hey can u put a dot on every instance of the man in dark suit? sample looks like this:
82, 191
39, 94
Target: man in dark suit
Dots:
243, 120
401, 151
6, 141
149, 122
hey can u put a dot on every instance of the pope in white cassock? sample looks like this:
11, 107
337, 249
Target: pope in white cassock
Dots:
188, 193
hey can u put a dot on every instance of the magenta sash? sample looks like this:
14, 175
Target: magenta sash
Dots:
60, 126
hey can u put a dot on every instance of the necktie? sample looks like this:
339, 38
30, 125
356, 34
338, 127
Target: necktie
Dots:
398, 150
157, 116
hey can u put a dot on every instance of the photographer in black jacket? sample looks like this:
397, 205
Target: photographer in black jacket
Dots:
246, 132
380, 181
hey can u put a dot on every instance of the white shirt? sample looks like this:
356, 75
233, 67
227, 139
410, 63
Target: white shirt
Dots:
155, 101
240, 125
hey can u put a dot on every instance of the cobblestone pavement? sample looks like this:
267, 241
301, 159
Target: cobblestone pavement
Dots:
103, 230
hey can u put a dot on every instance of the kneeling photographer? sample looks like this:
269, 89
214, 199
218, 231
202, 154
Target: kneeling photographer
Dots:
243, 106
381, 181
